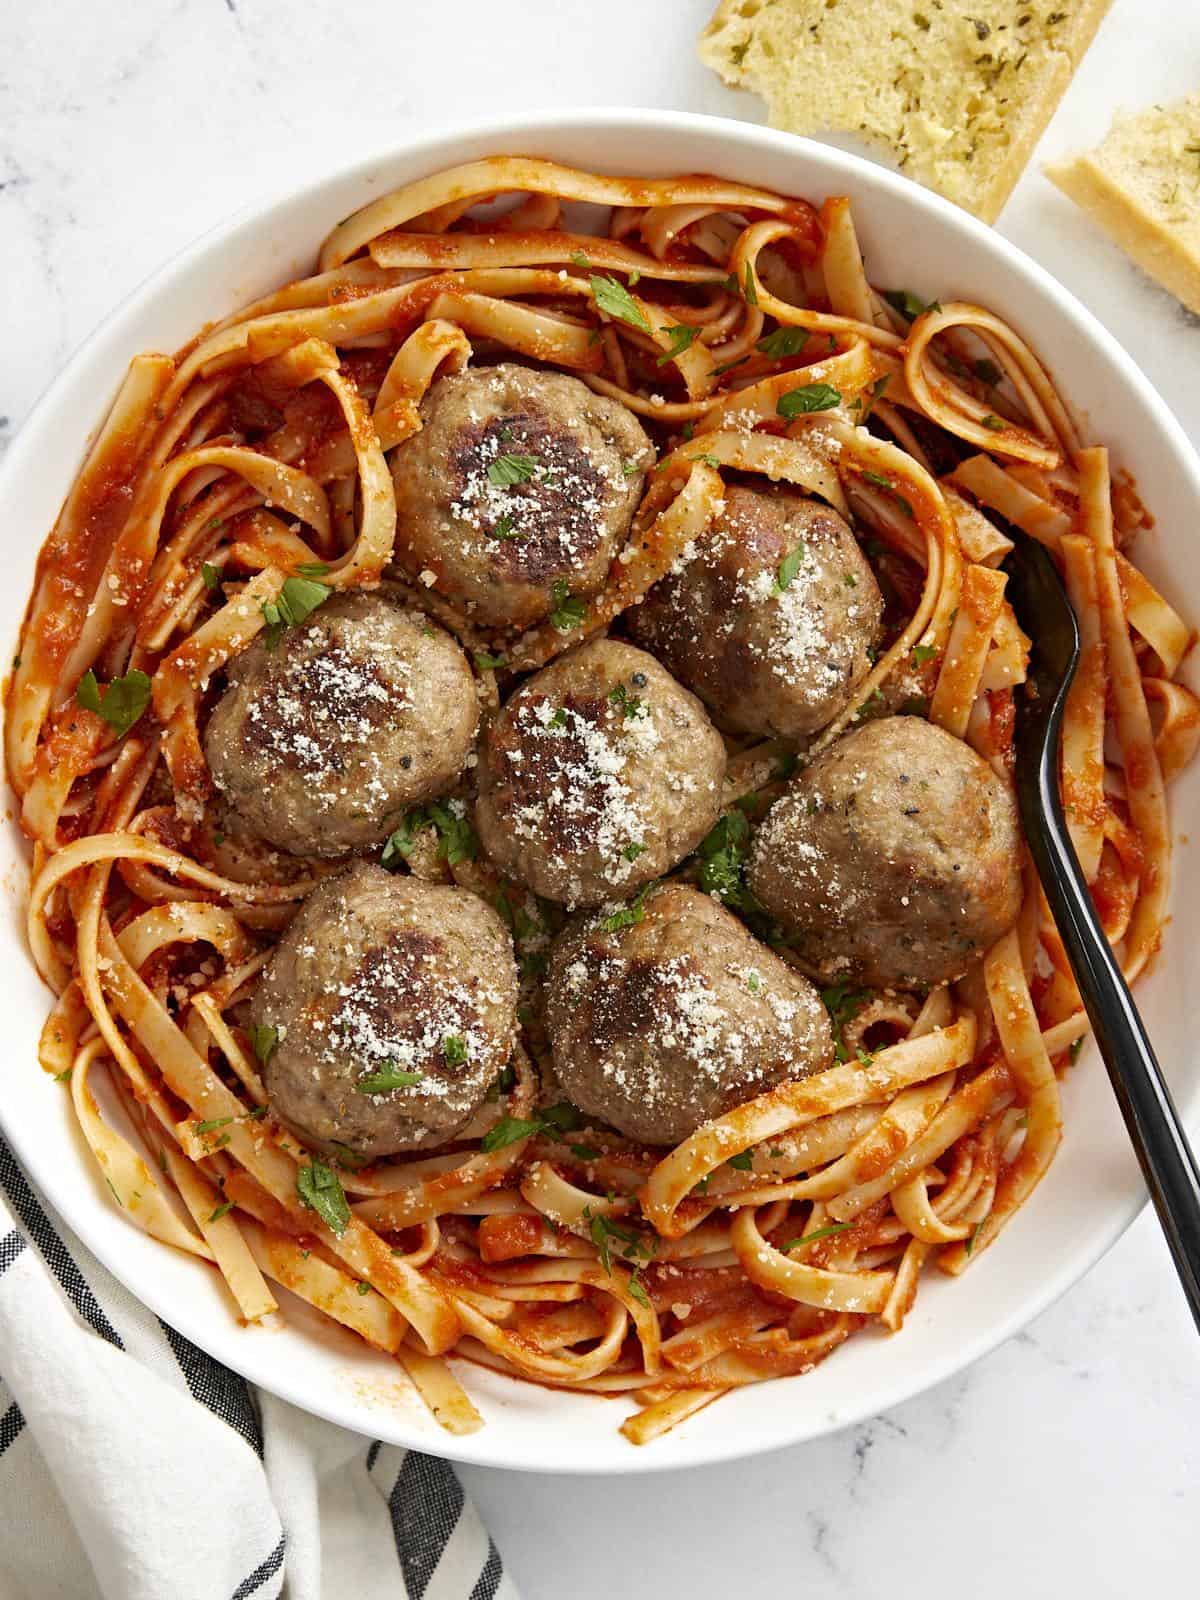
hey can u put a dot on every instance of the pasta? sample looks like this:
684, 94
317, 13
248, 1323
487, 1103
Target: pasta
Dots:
258, 455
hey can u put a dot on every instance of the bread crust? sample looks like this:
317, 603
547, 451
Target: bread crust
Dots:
907, 84
1100, 182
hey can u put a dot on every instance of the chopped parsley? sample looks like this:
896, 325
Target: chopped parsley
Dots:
628, 704
783, 342
682, 337
503, 527
312, 569
211, 575
294, 604
389, 1077
454, 1050
632, 851
559, 719
974, 1235
995, 423
708, 460
627, 916
402, 841
456, 837
503, 1084
216, 1122
885, 484
808, 398
922, 653
604, 1231
568, 611
843, 1004
584, 1152
221, 1211
817, 1233
908, 304
560, 1118
722, 856
789, 567
320, 1190
487, 663
263, 1040
615, 300
552, 1120
123, 702
742, 1161
751, 289
1076, 1046
507, 1131
508, 469
728, 366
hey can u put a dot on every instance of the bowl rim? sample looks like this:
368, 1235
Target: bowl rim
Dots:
713, 1446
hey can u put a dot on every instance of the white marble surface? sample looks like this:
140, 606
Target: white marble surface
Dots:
1068, 1461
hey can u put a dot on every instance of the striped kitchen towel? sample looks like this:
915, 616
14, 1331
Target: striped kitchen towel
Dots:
135, 1467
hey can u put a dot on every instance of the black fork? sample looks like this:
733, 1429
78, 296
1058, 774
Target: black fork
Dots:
1167, 1161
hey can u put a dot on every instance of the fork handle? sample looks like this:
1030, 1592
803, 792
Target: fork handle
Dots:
1166, 1159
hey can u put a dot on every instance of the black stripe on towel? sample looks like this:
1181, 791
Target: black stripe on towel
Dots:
11, 1424
10, 1248
426, 1502
489, 1578
265, 1569
41, 1230
225, 1394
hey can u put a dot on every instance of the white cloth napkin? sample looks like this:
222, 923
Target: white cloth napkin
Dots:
135, 1467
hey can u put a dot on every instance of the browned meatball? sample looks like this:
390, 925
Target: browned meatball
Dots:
771, 619
518, 481
895, 858
600, 774
321, 743
378, 976
664, 1024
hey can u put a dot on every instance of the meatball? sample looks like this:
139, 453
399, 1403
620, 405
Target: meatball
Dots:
600, 774
895, 858
664, 1023
519, 489
320, 743
772, 620
384, 978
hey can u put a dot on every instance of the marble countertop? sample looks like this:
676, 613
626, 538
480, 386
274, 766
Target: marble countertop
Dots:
1069, 1460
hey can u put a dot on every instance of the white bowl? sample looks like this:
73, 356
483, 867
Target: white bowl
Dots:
912, 239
